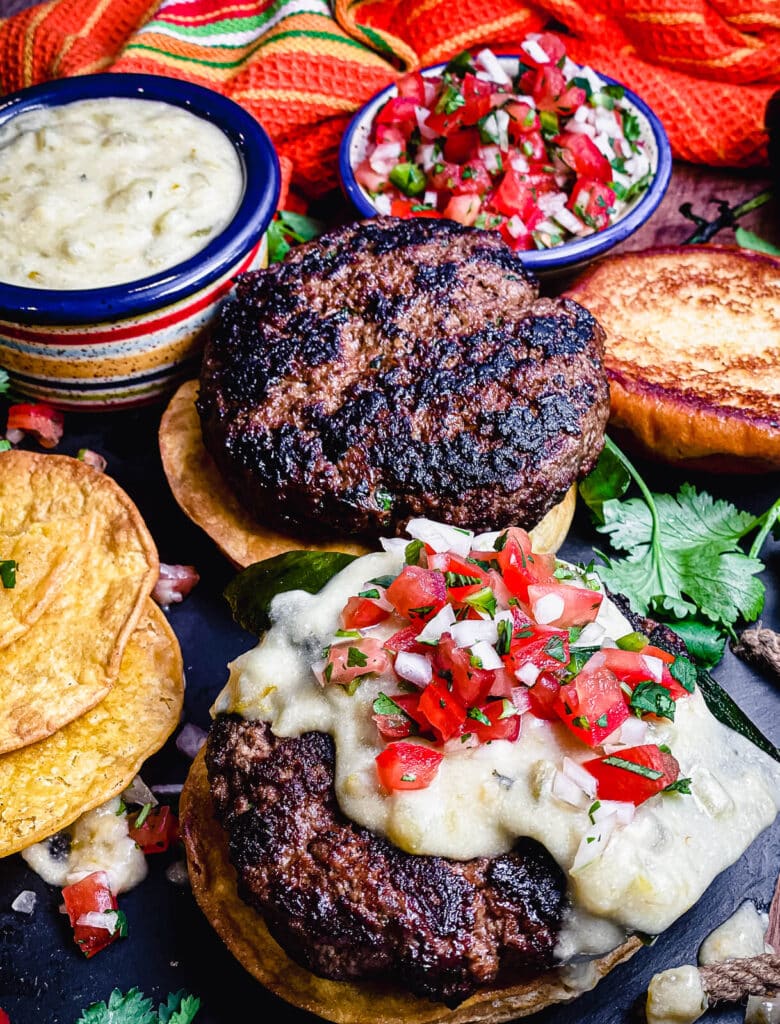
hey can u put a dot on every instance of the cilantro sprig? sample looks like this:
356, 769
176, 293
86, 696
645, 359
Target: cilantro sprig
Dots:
134, 1008
288, 228
686, 560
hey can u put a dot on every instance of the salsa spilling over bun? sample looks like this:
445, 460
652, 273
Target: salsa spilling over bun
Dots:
538, 148
458, 765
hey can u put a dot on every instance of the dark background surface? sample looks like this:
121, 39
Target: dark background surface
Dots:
44, 978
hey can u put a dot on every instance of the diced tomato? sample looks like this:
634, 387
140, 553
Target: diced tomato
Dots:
552, 45
453, 666
174, 583
523, 119
544, 696
474, 179
463, 209
457, 569
513, 196
519, 243
90, 895
592, 201
473, 87
545, 647
43, 421
405, 208
580, 605
347, 661
461, 145
157, 831
417, 593
389, 133
412, 86
658, 652
521, 566
584, 157
593, 705
631, 668
407, 766
443, 710
546, 85
361, 612
398, 726
445, 124
504, 722
4, 1018
654, 770
399, 110
446, 178
405, 639
570, 100
504, 683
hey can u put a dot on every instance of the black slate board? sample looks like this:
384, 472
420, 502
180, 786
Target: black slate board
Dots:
43, 977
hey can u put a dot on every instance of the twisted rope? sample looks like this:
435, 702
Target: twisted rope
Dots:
760, 647
734, 980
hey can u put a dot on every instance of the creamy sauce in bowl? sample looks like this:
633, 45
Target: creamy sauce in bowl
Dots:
107, 191
647, 873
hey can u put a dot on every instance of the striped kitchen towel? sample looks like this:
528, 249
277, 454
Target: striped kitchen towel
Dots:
302, 67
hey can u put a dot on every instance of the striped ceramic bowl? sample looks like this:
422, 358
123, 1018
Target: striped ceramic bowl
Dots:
128, 344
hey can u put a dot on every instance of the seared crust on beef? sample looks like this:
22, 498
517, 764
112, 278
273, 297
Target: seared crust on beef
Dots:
346, 903
400, 368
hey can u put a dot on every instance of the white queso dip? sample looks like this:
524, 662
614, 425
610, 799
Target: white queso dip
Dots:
652, 865
107, 191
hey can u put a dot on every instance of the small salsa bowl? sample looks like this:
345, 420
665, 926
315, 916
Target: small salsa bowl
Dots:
569, 254
128, 344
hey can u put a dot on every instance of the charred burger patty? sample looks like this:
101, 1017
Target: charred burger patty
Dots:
402, 368
346, 903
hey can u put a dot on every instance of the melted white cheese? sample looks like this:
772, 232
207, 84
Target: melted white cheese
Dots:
99, 841
483, 798
107, 191
740, 935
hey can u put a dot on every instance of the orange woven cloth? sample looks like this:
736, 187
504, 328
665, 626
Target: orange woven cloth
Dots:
707, 67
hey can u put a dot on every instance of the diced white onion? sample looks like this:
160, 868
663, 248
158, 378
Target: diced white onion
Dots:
654, 666
415, 668
594, 842
624, 812
515, 226
441, 537
385, 157
502, 120
393, 545
440, 623
548, 608
107, 919
471, 631
430, 199
570, 69
606, 121
430, 91
568, 220
519, 163
582, 115
511, 65
609, 643
493, 67
551, 202
535, 51
139, 793
427, 156
528, 673
318, 668
581, 776
603, 143
486, 541
593, 80
520, 699
382, 204
421, 114
24, 902
633, 732
591, 636
190, 740
487, 655
568, 791
14, 435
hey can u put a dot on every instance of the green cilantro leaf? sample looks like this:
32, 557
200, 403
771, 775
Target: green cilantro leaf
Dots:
287, 228
180, 1008
684, 672
704, 641
8, 569
131, 1008
680, 786
356, 658
384, 705
479, 716
412, 552
654, 699
632, 766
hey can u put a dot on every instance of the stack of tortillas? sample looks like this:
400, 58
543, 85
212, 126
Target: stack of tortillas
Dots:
91, 677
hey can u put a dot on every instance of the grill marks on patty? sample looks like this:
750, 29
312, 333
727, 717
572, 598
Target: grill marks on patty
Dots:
391, 369
346, 903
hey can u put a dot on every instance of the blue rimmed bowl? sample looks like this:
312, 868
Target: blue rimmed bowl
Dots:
561, 258
128, 344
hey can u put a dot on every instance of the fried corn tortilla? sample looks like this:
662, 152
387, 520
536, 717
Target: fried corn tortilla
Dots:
86, 565
204, 497
244, 933
46, 786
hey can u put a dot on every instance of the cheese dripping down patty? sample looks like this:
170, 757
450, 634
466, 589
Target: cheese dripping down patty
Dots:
483, 798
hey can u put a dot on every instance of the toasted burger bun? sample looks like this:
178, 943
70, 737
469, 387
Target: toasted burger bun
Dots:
203, 495
692, 353
244, 932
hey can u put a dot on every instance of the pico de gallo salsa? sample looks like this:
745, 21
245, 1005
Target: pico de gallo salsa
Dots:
537, 148
473, 635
